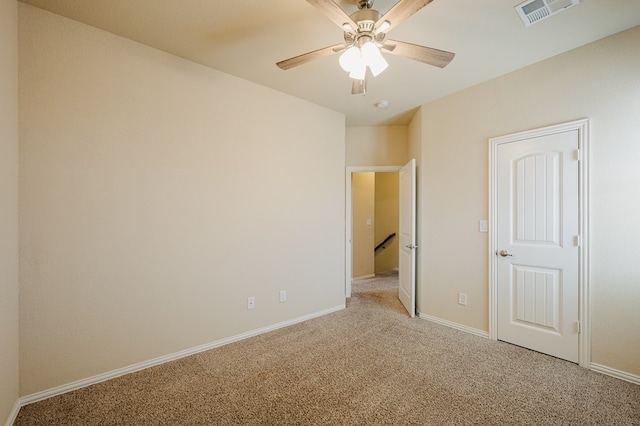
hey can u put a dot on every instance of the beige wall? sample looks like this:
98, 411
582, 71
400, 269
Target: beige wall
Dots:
8, 207
376, 146
600, 81
363, 194
156, 195
387, 199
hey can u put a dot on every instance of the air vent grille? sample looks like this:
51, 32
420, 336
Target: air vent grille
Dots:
532, 11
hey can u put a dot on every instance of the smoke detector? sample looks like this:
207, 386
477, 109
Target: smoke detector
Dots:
532, 11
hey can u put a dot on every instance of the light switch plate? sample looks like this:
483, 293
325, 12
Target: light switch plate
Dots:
484, 225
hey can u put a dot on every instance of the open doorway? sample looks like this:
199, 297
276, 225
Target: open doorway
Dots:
374, 201
372, 217
404, 224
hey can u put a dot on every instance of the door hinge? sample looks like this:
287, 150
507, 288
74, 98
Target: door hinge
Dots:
577, 154
577, 241
578, 327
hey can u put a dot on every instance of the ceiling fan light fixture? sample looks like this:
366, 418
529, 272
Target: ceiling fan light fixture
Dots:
369, 51
350, 59
359, 71
348, 28
373, 58
383, 27
378, 66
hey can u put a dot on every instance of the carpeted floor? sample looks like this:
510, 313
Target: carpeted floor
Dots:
382, 281
367, 365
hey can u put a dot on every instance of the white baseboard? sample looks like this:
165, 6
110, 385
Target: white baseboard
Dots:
618, 374
364, 277
39, 396
451, 324
14, 413
623, 375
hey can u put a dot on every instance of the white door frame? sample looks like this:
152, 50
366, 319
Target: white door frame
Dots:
584, 303
348, 218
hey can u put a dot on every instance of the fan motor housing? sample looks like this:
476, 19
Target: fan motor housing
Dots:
366, 19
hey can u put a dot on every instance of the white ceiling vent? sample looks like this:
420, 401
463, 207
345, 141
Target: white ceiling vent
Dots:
532, 11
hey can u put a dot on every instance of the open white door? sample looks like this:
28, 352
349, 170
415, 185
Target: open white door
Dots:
407, 231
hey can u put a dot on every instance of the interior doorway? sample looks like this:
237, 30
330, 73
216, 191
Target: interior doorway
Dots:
375, 207
404, 226
361, 254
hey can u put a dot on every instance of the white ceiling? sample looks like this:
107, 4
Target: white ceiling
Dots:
246, 38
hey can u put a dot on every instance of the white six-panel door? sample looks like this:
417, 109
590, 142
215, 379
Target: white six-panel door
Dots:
537, 243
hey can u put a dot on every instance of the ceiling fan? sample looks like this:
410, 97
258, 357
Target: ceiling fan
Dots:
365, 37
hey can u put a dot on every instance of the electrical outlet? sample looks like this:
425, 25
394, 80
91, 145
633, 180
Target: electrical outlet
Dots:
251, 302
283, 296
462, 299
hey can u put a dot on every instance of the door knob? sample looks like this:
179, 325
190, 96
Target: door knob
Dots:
505, 253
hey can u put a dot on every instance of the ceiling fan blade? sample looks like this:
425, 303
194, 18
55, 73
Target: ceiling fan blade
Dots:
310, 56
401, 11
428, 55
334, 12
359, 87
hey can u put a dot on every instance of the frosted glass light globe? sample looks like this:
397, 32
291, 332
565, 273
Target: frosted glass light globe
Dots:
373, 58
350, 58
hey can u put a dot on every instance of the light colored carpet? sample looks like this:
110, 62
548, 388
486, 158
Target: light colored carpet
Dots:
382, 281
367, 365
